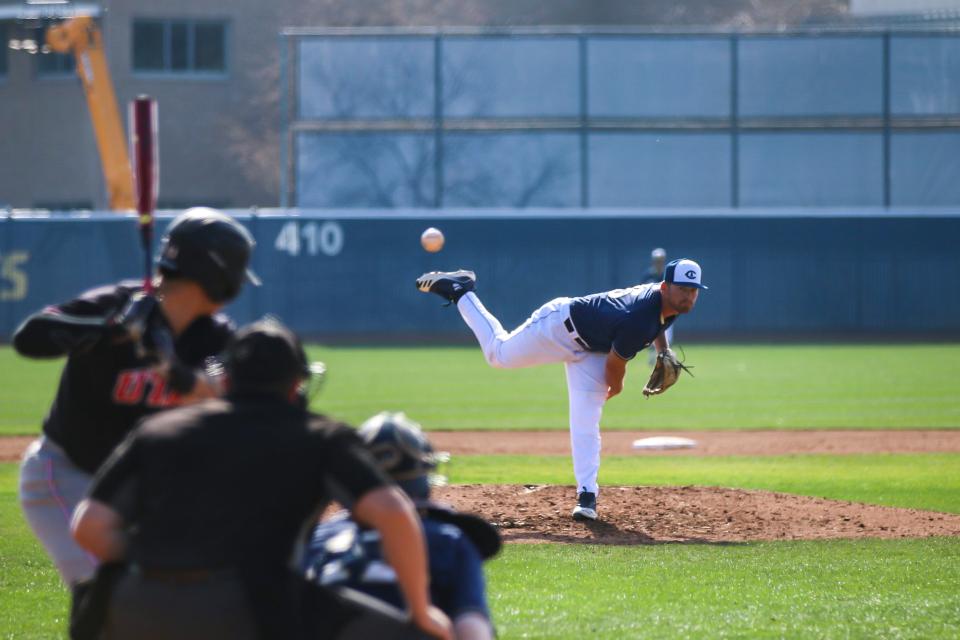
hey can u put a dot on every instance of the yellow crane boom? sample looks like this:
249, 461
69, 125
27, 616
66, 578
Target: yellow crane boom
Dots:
81, 37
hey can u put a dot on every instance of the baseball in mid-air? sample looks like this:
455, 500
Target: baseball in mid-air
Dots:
432, 240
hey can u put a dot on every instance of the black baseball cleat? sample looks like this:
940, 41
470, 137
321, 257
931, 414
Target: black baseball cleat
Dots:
449, 285
586, 508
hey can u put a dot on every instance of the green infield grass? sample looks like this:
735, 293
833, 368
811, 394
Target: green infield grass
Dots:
33, 603
921, 480
836, 589
736, 387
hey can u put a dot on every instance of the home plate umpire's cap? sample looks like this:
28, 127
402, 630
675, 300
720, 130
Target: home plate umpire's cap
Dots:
265, 356
683, 272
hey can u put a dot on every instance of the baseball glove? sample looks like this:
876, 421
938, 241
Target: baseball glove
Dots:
481, 533
665, 373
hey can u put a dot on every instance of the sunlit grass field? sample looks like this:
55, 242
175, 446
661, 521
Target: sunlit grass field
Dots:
839, 589
735, 387
836, 589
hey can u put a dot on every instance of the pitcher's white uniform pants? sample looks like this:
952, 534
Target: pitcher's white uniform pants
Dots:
544, 339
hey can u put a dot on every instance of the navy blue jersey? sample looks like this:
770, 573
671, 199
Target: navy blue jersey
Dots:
623, 320
340, 553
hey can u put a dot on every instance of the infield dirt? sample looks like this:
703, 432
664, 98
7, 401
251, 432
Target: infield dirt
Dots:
709, 443
652, 515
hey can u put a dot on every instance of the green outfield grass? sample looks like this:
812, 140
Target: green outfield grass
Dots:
923, 481
736, 387
839, 589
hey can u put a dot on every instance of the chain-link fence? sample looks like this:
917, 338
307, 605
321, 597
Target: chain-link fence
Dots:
568, 118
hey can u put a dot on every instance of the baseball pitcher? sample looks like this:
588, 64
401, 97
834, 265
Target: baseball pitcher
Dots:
595, 336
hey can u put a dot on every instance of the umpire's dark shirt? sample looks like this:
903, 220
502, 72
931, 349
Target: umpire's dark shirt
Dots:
229, 484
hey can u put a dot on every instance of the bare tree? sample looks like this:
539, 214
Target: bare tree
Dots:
252, 125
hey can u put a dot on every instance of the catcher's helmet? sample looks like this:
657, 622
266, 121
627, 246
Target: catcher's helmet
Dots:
402, 451
265, 356
210, 248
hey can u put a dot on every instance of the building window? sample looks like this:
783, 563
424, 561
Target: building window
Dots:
52, 63
180, 46
215, 203
64, 205
55, 64
3, 50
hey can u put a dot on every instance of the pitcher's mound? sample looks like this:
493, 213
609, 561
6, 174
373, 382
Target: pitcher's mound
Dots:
649, 515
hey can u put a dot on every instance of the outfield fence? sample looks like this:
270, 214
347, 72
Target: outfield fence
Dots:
620, 117
349, 275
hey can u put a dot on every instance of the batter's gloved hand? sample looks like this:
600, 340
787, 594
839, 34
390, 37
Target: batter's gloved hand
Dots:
158, 343
665, 373
133, 322
142, 322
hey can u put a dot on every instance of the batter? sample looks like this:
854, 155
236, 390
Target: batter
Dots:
594, 336
111, 378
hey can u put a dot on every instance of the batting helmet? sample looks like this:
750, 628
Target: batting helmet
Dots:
267, 357
210, 248
402, 451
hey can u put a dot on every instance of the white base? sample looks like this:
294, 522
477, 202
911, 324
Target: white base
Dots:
664, 442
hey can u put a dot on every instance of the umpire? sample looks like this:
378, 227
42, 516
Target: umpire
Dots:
206, 504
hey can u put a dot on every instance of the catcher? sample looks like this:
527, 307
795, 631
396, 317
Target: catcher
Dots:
344, 553
594, 336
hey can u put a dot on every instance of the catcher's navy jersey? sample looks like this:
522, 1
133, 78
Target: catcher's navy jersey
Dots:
342, 554
623, 320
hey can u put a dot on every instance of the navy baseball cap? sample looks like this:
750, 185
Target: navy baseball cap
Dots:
683, 272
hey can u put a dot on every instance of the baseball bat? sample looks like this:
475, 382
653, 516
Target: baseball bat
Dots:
146, 172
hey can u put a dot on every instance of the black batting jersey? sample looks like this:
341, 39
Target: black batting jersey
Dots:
625, 321
105, 386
